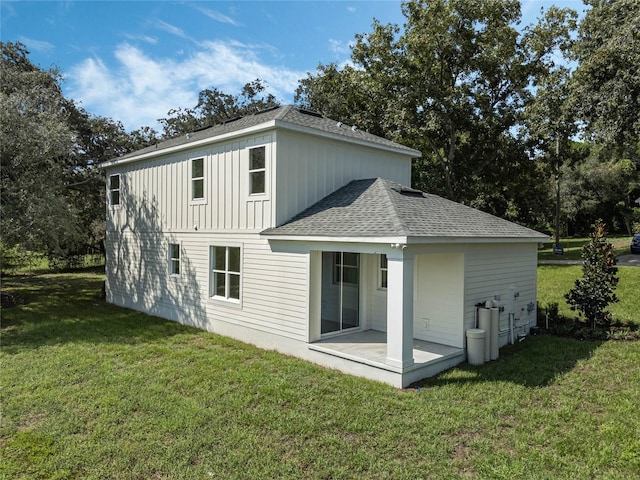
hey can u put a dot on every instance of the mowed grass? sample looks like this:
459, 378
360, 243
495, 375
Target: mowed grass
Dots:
89, 390
572, 248
554, 281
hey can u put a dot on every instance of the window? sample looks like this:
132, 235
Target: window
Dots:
257, 170
224, 279
197, 179
114, 189
174, 259
345, 268
383, 271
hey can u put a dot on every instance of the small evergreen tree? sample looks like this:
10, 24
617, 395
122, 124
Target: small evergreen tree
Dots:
596, 290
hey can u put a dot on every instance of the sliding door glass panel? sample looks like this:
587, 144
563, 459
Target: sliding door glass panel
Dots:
340, 291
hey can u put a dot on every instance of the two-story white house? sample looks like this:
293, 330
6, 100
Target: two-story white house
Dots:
301, 234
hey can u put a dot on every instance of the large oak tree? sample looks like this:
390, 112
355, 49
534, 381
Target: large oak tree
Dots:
451, 83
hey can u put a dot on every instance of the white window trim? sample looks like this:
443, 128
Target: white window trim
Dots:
226, 299
170, 260
267, 154
110, 190
203, 200
382, 269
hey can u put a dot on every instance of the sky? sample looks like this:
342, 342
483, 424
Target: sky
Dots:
133, 61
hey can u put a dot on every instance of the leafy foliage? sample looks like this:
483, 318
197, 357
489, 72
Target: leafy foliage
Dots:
52, 193
35, 137
215, 106
596, 290
606, 83
452, 84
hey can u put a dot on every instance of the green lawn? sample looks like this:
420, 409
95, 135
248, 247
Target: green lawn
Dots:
556, 280
89, 390
573, 248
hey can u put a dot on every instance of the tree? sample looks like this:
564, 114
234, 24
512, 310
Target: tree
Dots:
451, 84
596, 290
35, 138
606, 83
215, 107
52, 193
605, 98
598, 185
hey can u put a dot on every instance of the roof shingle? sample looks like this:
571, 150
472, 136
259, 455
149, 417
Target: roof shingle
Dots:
382, 208
287, 115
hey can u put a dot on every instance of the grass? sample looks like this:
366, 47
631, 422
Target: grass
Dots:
573, 248
556, 280
14, 262
89, 390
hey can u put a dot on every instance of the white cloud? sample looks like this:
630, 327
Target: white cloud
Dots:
172, 29
217, 16
339, 47
139, 89
36, 45
144, 38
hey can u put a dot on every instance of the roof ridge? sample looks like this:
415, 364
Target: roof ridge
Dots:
282, 111
386, 188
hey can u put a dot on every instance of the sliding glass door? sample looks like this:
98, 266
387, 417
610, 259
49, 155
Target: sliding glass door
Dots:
340, 291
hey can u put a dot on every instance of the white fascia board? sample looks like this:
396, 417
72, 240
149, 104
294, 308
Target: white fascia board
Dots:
317, 239
320, 133
362, 245
187, 146
401, 239
434, 240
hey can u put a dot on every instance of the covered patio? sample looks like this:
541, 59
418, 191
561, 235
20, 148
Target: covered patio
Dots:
394, 274
369, 347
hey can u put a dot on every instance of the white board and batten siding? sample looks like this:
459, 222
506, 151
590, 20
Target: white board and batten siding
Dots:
493, 272
160, 188
309, 168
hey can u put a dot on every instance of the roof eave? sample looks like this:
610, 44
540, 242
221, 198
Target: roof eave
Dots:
408, 240
320, 238
475, 239
335, 136
268, 125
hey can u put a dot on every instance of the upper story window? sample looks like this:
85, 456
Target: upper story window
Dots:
114, 189
257, 170
174, 259
383, 273
197, 179
224, 277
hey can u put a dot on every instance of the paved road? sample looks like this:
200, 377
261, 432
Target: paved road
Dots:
623, 260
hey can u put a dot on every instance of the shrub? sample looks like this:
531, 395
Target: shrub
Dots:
591, 294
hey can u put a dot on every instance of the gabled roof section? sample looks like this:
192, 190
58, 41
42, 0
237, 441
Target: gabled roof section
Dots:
381, 208
288, 117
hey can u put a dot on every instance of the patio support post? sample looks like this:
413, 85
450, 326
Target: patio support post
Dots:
400, 308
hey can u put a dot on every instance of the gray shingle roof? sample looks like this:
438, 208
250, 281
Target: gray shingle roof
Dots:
382, 208
287, 115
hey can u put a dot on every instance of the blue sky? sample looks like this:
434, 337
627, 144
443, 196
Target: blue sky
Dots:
133, 61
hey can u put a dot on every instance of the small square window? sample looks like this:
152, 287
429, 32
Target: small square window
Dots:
257, 170
197, 179
114, 189
174, 259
